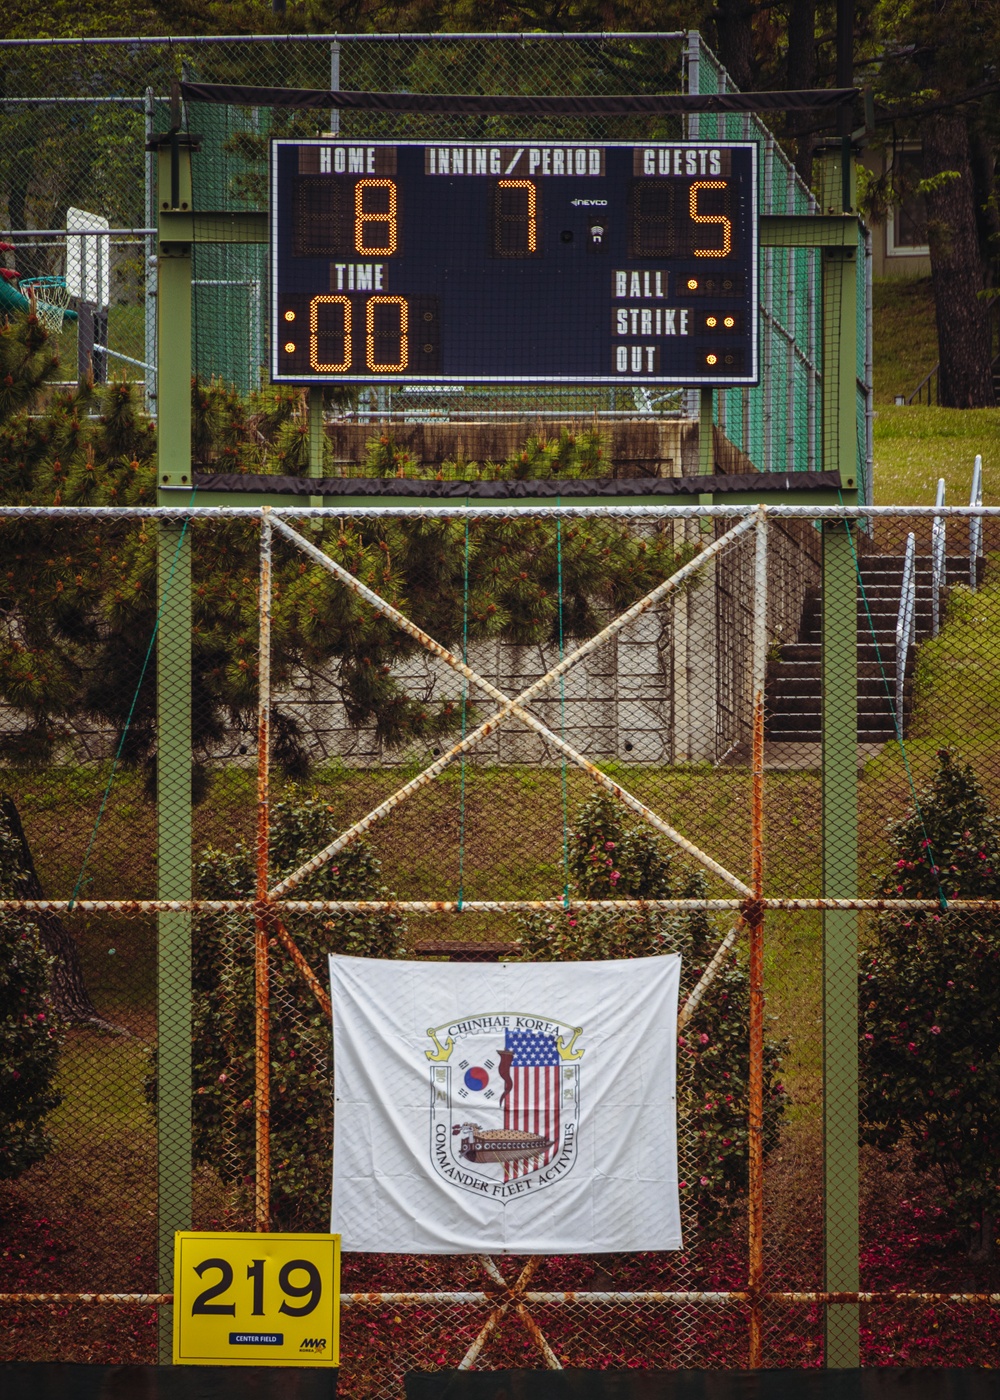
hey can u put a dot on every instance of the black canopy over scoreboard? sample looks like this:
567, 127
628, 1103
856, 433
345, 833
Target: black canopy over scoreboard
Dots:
552, 263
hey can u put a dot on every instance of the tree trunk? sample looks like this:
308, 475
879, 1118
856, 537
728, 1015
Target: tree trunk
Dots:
70, 998
800, 73
965, 377
734, 41
984, 174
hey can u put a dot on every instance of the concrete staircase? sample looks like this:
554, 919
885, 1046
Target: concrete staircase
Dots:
794, 681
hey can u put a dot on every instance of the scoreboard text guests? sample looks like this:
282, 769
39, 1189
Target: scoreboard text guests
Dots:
557, 262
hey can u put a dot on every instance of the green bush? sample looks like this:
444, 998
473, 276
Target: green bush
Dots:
608, 860
930, 989
29, 1038
301, 1088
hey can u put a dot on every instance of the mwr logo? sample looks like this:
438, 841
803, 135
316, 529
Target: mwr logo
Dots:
313, 1344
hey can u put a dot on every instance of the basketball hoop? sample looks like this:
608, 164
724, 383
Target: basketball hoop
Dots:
51, 300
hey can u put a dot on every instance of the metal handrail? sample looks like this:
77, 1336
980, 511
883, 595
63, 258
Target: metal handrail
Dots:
938, 561
905, 624
975, 523
918, 391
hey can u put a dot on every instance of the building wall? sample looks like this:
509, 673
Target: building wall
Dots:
675, 686
894, 254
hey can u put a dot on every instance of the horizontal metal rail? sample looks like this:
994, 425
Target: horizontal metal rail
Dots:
416, 414
183, 40
433, 510
479, 906
480, 1299
117, 355
75, 232
78, 101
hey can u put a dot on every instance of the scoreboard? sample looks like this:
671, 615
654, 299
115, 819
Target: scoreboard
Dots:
434, 263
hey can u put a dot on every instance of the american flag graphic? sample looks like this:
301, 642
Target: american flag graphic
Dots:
531, 1100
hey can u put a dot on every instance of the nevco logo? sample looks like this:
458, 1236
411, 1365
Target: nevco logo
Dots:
313, 1344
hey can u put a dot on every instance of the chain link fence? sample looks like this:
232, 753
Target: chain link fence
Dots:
723, 715
75, 117
709, 716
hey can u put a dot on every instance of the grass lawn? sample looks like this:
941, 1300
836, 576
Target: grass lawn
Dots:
904, 335
915, 446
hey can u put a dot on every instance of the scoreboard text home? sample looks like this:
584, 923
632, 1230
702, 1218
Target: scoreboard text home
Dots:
559, 262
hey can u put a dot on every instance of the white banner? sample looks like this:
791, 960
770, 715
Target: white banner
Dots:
518, 1108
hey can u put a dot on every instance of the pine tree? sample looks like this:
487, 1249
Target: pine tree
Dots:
78, 601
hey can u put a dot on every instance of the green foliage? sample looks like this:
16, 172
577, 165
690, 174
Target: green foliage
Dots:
609, 860
29, 1039
929, 995
78, 606
568, 455
26, 361
572, 455
301, 1090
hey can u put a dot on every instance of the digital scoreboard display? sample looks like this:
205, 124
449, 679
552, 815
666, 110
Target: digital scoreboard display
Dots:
551, 263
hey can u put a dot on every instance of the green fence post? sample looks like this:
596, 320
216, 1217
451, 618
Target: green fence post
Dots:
706, 444
173, 701
840, 796
840, 943
316, 433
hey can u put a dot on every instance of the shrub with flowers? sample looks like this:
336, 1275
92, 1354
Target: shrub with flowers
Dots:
609, 860
29, 1040
223, 1033
930, 989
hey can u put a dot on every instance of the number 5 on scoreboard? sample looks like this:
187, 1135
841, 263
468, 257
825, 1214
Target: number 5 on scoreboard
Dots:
256, 1300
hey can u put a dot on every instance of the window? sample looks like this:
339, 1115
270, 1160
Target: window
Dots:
906, 226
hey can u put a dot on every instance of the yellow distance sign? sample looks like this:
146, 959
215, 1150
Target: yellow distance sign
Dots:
256, 1299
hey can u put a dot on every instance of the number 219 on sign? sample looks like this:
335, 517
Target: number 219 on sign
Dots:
256, 1300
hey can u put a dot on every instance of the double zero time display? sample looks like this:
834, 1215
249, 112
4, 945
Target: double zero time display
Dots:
474, 263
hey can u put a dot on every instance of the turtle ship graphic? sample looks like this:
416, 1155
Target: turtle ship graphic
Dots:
498, 1144
504, 1101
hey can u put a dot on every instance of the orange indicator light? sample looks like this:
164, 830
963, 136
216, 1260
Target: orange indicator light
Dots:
692, 284
289, 315
289, 346
712, 359
729, 322
712, 322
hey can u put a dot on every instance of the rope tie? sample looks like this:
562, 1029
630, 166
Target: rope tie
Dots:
465, 694
131, 711
562, 715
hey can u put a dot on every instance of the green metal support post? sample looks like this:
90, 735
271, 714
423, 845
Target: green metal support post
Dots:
840, 798
706, 444
173, 754
316, 431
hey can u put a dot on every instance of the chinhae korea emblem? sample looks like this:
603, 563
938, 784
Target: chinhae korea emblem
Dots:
504, 1102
